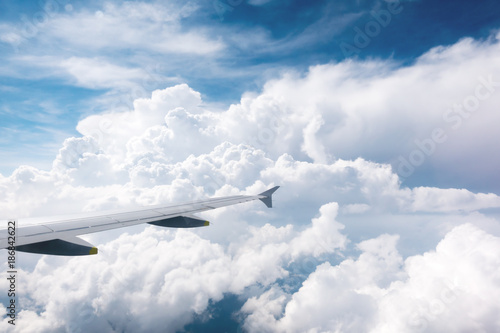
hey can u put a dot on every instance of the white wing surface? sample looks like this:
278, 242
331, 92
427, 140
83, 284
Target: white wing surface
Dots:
59, 236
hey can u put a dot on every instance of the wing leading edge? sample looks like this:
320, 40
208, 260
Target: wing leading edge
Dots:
59, 236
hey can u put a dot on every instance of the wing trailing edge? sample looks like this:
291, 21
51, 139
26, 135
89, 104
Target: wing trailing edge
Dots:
57, 236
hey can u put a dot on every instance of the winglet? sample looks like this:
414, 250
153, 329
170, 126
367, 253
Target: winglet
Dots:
266, 196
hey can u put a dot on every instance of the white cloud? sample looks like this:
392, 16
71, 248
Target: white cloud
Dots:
98, 73
453, 289
129, 25
315, 135
126, 50
186, 271
323, 237
170, 142
440, 200
383, 112
150, 125
160, 279
373, 109
361, 109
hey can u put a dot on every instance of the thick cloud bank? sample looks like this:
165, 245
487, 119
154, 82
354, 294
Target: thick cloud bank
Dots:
434, 119
348, 247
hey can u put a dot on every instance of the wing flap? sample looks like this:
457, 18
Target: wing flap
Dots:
181, 222
63, 247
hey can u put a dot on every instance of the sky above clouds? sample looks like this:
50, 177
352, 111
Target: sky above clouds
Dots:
378, 119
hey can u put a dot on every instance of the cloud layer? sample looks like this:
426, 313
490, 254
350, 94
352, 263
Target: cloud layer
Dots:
428, 120
451, 288
348, 247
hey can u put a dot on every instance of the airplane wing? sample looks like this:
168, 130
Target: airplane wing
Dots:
59, 237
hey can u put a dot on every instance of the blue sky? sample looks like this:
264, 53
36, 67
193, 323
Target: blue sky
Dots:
378, 119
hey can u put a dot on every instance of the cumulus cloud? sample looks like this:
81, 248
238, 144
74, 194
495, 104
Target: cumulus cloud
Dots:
164, 278
452, 288
352, 109
337, 298
81, 170
156, 125
161, 279
422, 118
171, 144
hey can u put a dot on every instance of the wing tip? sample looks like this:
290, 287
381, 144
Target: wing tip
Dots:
267, 196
